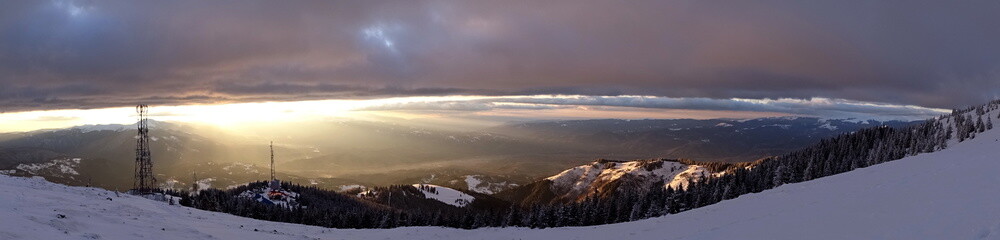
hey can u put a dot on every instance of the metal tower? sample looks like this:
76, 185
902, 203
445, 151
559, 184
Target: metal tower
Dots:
194, 183
272, 160
144, 180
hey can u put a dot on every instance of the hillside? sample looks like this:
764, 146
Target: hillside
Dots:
603, 178
725, 140
429, 198
336, 154
947, 194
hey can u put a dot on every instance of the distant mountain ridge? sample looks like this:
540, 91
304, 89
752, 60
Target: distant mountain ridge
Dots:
337, 154
715, 140
604, 178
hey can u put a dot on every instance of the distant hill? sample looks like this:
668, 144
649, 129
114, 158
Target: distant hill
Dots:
604, 178
335, 155
714, 140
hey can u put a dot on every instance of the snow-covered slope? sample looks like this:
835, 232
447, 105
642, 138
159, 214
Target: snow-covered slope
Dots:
487, 184
604, 175
446, 195
949, 194
63, 167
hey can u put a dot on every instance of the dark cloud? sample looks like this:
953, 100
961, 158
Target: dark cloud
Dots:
86, 54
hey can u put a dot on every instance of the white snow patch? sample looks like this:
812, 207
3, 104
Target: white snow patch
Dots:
169, 183
63, 166
472, 181
692, 173
102, 127
244, 167
446, 195
588, 179
476, 183
205, 183
351, 186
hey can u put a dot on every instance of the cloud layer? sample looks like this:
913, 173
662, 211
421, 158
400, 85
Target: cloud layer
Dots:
815, 107
90, 54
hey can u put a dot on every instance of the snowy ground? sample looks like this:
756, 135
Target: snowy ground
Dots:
589, 179
446, 195
951, 194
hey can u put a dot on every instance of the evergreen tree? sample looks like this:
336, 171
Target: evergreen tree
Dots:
980, 126
778, 176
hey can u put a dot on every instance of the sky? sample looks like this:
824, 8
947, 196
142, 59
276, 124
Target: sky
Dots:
548, 59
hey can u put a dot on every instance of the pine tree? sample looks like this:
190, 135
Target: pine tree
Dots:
980, 127
808, 173
778, 176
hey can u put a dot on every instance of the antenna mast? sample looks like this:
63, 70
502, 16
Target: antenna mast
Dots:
272, 160
194, 183
144, 180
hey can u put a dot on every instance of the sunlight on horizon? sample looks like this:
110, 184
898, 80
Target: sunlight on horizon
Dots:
229, 114
465, 111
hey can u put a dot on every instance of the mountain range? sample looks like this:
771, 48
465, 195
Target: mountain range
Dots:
339, 155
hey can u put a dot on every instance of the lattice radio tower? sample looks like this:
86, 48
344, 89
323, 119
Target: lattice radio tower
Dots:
144, 180
272, 160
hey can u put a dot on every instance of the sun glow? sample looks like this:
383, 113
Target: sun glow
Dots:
232, 114
465, 111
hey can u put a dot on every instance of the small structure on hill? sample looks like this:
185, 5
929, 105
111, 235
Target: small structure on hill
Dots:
272, 193
275, 185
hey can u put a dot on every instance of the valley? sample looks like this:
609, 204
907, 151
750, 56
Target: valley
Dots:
906, 198
380, 154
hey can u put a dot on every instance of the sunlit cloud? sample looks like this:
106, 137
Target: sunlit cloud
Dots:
477, 110
379, 34
73, 8
814, 107
232, 114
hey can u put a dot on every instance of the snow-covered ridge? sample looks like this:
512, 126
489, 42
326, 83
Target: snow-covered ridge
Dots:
241, 167
205, 183
446, 195
104, 127
482, 184
586, 180
116, 127
65, 167
348, 187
